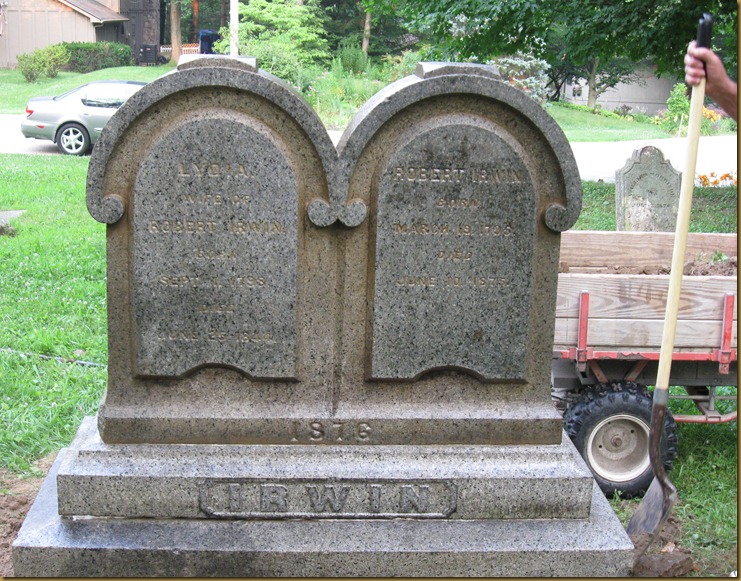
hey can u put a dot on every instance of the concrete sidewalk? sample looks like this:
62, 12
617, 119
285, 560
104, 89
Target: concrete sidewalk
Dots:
596, 160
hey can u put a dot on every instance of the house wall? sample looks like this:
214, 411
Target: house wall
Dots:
34, 24
114, 5
649, 97
110, 32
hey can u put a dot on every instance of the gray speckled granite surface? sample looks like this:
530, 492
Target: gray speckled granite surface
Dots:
49, 546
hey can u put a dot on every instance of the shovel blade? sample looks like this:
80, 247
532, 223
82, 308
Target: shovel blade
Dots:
652, 513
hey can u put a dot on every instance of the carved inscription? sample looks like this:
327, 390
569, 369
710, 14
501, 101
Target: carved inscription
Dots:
309, 499
453, 249
331, 431
650, 201
215, 254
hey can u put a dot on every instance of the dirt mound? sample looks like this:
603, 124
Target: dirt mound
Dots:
699, 267
16, 497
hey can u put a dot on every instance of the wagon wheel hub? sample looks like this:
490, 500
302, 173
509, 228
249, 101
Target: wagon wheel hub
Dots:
617, 448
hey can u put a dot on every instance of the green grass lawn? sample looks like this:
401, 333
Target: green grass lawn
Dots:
581, 125
52, 302
713, 209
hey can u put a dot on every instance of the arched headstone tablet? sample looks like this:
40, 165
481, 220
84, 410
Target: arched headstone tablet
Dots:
215, 250
450, 283
647, 192
220, 292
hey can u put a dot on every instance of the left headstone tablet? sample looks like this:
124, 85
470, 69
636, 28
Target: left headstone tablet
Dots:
202, 179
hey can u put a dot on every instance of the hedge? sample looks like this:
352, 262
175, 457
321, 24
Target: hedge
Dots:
91, 56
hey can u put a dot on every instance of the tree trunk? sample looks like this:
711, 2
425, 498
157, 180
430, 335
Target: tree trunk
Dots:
196, 9
176, 39
592, 98
224, 12
366, 33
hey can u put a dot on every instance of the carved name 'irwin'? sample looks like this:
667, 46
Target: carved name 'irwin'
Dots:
309, 499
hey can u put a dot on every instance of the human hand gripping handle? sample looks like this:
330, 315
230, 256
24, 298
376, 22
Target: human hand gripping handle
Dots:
700, 62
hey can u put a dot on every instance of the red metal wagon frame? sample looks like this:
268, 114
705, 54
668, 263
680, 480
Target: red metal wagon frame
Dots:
587, 357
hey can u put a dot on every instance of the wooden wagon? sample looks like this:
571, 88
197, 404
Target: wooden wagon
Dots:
609, 321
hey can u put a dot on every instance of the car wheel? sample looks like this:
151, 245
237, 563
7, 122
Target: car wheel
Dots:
73, 139
609, 425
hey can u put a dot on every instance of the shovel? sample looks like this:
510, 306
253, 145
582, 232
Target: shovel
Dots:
656, 505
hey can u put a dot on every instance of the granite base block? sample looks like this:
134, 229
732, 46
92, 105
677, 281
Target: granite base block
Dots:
49, 545
288, 482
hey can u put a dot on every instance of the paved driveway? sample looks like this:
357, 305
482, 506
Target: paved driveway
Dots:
595, 160
13, 141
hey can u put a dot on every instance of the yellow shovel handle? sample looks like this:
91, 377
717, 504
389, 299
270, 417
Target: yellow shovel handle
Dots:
680, 243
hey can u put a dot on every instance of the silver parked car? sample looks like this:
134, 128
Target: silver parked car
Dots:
75, 119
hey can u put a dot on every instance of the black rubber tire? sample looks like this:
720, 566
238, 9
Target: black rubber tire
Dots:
73, 139
609, 426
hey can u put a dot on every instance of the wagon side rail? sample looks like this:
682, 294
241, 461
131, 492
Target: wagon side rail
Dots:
588, 356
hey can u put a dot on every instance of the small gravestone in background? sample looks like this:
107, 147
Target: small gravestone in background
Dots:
327, 362
5, 217
647, 192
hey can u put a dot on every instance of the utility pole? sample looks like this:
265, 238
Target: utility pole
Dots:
233, 26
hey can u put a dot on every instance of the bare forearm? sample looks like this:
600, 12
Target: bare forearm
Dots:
726, 97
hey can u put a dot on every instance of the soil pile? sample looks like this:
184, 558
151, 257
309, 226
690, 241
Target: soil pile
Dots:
16, 497
698, 267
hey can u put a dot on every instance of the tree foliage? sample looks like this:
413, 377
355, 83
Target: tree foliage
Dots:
345, 20
571, 32
525, 72
283, 35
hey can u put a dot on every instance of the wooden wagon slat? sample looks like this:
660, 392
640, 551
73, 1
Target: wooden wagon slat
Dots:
640, 334
589, 248
643, 296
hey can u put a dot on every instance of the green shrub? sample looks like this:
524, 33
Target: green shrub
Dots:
352, 57
306, 76
337, 94
31, 66
86, 57
726, 125
275, 56
45, 61
284, 36
400, 66
641, 117
54, 58
677, 109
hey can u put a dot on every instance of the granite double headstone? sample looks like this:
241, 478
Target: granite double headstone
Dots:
647, 192
328, 361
